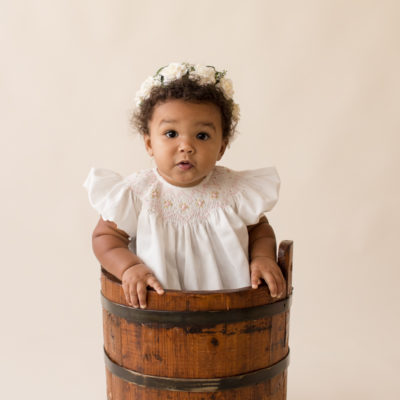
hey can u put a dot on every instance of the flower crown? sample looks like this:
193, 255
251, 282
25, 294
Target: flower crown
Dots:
202, 74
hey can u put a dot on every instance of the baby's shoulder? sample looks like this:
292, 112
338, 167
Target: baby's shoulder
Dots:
232, 182
228, 186
223, 178
248, 186
140, 181
107, 183
226, 177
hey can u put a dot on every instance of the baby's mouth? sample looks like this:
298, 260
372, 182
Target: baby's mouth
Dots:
185, 165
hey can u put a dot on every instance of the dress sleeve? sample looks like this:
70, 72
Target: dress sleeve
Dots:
111, 196
258, 193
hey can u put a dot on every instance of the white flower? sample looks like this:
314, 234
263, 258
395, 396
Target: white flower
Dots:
206, 74
147, 85
145, 89
227, 87
173, 71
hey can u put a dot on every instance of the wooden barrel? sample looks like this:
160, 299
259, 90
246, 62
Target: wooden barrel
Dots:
230, 344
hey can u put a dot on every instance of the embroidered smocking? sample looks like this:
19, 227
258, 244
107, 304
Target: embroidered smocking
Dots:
194, 204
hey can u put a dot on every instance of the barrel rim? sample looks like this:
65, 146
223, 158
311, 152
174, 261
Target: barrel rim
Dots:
188, 292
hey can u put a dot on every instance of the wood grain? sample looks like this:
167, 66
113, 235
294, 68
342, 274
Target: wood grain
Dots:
223, 350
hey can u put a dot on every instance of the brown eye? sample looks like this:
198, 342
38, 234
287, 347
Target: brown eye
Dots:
171, 134
203, 136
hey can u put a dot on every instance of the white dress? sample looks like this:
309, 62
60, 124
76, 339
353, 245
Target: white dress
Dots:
193, 238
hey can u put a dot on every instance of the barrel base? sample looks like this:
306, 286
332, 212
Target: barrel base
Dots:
273, 389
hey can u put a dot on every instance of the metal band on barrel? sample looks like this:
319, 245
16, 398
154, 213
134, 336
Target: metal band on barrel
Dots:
195, 318
196, 385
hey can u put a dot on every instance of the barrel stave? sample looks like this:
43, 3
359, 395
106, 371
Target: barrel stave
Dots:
186, 352
222, 350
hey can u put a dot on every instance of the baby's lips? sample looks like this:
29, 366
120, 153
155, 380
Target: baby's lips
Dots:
185, 165
186, 160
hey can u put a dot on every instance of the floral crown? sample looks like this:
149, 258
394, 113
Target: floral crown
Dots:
202, 74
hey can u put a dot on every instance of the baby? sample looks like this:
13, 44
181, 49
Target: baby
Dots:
186, 224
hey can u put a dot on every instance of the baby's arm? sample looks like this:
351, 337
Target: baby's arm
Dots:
110, 245
262, 251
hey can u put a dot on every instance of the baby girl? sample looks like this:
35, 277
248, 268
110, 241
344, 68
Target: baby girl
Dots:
186, 224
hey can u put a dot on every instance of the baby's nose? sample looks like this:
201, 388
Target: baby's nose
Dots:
186, 147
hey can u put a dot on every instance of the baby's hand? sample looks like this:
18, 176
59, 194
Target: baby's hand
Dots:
135, 281
266, 268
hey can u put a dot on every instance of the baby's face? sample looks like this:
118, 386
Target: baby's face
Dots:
185, 140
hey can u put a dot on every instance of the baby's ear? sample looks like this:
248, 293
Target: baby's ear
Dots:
147, 144
223, 148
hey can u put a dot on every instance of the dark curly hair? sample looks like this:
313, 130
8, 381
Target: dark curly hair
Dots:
187, 90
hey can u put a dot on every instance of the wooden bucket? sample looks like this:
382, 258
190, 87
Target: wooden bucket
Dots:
230, 344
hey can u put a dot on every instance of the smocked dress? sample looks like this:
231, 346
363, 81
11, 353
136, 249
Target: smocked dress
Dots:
193, 238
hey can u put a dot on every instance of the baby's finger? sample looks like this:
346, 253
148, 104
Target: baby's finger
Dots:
126, 293
133, 296
281, 283
283, 287
142, 294
155, 284
255, 279
270, 280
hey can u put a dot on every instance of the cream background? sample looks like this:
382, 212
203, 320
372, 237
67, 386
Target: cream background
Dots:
318, 84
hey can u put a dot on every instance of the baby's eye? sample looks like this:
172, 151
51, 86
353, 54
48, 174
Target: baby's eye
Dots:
203, 136
171, 134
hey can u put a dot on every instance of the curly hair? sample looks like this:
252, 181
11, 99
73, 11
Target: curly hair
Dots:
187, 90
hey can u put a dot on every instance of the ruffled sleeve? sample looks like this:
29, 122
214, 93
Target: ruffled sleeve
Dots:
111, 196
258, 193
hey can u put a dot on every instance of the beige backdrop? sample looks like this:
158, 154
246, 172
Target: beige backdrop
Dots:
318, 84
